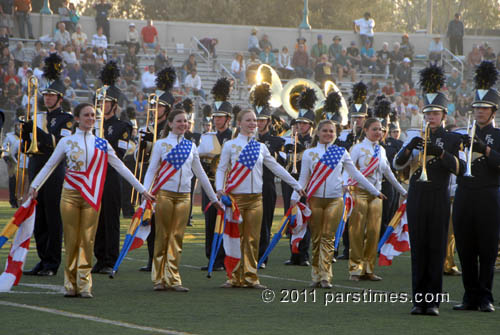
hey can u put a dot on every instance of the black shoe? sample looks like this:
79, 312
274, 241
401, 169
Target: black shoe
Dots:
95, 269
189, 224
218, 268
433, 311
106, 270
204, 268
32, 272
343, 256
305, 263
487, 307
290, 262
417, 310
465, 307
46, 273
146, 268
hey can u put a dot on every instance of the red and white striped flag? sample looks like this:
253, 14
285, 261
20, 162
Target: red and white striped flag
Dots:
20, 246
244, 165
372, 166
398, 240
91, 182
231, 237
298, 227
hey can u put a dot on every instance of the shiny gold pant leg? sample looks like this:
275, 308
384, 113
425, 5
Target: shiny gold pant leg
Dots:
79, 226
326, 215
245, 272
449, 261
372, 234
172, 211
357, 227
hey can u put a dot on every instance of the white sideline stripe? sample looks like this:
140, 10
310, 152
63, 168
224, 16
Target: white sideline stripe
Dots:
92, 318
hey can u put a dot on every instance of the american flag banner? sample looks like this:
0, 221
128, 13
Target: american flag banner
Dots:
90, 183
372, 166
172, 163
396, 239
324, 168
298, 226
244, 165
231, 238
348, 206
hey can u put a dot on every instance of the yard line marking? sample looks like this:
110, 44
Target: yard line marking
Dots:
93, 318
57, 288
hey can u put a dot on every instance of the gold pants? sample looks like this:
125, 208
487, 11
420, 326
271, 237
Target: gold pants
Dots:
79, 225
364, 230
449, 261
245, 272
172, 213
325, 218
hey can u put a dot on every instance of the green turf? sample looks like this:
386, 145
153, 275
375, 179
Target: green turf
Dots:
207, 309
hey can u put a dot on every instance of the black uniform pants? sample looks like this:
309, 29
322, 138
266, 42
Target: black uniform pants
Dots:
210, 221
12, 191
268, 205
428, 213
127, 208
193, 186
476, 220
389, 206
304, 244
107, 238
48, 224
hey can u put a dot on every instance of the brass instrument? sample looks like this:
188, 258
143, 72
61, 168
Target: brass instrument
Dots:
468, 151
292, 91
141, 153
344, 111
100, 100
423, 155
274, 82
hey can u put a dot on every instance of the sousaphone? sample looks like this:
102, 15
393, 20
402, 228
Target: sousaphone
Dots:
291, 93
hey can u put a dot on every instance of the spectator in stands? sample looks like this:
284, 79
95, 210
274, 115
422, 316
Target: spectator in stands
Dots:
407, 48
101, 16
461, 110
131, 58
365, 27
344, 66
161, 58
40, 56
252, 66
188, 65
253, 42
22, 70
403, 74
335, 49
192, 84
99, 39
264, 43
318, 50
69, 56
19, 54
267, 57
149, 36
384, 59
73, 15
301, 41
396, 58
323, 71
133, 37
436, 49
456, 34
140, 103
398, 105
129, 74
12, 94
100, 57
38, 73
22, 9
489, 54
300, 62
453, 82
238, 68
148, 80
78, 77
6, 19
88, 62
353, 55
115, 57
497, 62
388, 89
52, 48
407, 91
368, 57
464, 90
373, 87
4, 36
64, 15
285, 68
474, 58
209, 44
79, 39
416, 117
70, 93
404, 121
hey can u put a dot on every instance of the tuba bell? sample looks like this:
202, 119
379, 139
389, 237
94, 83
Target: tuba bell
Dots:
330, 87
291, 93
266, 74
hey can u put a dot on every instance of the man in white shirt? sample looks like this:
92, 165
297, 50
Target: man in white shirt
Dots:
148, 80
79, 40
99, 40
365, 27
62, 35
192, 83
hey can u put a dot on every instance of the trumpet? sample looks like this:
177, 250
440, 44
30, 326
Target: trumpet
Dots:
141, 153
100, 100
423, 155
468, 151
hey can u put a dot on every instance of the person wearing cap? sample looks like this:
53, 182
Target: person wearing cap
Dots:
300, 62
253, 42
455, 34
102, 9
476, 210
318, 49
365, 27
53, 125
335, 49
133, 38
403, 74
353, 55
428, 203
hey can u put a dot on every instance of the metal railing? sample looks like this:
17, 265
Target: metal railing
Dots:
450, 58
198, 45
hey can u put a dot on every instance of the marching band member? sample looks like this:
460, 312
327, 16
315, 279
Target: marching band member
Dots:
173, 199
428, 204
246, 191
78, 211
476, 210
364, 224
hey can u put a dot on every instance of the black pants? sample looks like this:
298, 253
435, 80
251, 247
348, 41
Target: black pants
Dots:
428, 213
107, 238
193, 186
389, 206
48, 223
127, 208
268, 205
476, 220
457, 45
304, 244
210, 221
12, 191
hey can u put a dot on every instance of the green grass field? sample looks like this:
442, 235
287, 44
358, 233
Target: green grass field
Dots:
128, 305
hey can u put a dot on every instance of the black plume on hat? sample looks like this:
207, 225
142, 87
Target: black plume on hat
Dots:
333, 102
432, 79
187, 105
359, 93
53, 67
382, 109
110, 73
221, 89
236, 110
130, 111
307, 99
486, 75
165, 79
261, 95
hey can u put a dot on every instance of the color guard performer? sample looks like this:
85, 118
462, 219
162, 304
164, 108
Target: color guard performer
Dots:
476, 211
247, 193
80, 215
428, 203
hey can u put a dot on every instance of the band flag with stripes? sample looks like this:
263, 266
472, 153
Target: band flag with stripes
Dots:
231, 238
396, 239
348, 206
298, 225
90, 183
244, 165
325, 166
372, 166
